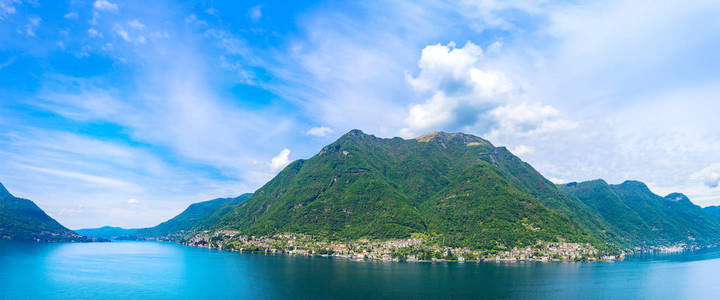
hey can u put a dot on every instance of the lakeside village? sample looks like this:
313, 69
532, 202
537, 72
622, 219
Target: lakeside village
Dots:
419, 248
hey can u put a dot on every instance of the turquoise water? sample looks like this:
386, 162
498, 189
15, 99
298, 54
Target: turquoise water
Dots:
149, 270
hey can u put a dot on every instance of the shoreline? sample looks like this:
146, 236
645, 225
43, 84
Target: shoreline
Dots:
419, 248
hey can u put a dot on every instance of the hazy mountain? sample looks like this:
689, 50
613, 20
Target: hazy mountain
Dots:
21, 219
641, 218
106, 232
198, 216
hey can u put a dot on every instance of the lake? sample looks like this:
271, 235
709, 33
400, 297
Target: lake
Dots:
151, 270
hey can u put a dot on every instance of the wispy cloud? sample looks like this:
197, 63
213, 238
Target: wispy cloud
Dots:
255, 13
71, 15
8, 62
7, 8
116, 183
320, 131
105, 5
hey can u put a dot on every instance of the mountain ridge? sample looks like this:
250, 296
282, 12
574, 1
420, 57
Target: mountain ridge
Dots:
644, 219
197, 216
22, 219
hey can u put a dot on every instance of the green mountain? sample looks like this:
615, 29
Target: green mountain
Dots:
21, 219
106, 232
637, 217
713, 210
198, 216
455, 186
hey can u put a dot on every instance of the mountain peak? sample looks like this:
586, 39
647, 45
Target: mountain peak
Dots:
635, 184
3, 191
356, 132
445, 137
679, 197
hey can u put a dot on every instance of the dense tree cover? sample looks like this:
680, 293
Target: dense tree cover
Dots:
638, 217
198, 216
21, 219
713, 210
457, 186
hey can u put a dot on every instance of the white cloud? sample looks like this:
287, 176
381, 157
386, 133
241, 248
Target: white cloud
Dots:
320, 131
522, 150
122, 33
105, 5
713, 180
136, 24
71, 15
461, 92
528, 118
116, 183
92, 32
280, 161
464, 96
498, 14
138, 39
7, 8
32, 25
710, 176
132, 201
255, 13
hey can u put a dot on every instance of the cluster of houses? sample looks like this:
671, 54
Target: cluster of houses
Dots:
413, 249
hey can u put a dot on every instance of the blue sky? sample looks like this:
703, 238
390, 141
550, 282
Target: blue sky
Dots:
124, 112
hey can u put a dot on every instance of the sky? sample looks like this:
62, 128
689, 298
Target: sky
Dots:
123, 113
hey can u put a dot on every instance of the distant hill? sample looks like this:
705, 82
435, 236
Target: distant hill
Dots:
21, 219
106, 232
456, 186
638, 217
198, 216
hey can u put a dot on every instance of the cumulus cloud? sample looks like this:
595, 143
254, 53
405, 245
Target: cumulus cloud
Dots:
105, 5
132, 201
461, 92
465, 95
281, 160
320, 131
710, 176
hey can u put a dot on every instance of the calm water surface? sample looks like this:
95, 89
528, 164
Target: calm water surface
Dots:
149, 270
